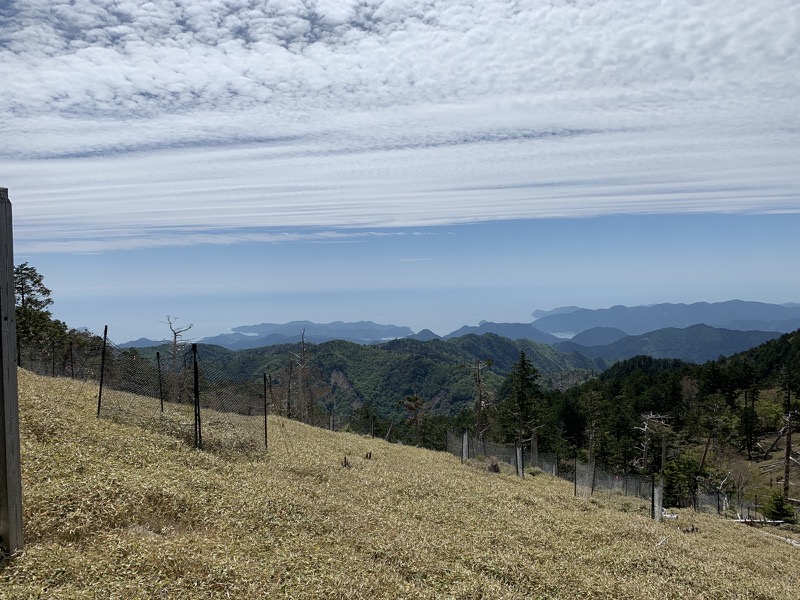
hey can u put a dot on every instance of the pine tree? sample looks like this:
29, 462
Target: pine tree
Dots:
520, 404
35, 323
779, 508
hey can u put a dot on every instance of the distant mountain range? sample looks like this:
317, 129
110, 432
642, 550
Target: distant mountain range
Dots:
512, 331
692, 332
696, 344
734, 314
273, 334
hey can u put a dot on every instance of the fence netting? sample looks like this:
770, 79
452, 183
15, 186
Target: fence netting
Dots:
152, 392
588, 478
178, 393
73, 356
233, 410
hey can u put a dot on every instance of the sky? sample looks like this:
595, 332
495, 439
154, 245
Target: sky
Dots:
423, 163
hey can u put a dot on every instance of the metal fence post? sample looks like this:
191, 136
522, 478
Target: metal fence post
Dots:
102, 368
160, 385
198, 431
266, 413
11, 537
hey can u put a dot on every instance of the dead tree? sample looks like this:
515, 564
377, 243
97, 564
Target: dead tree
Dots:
414, 405
482, 392
301, 410
176, 379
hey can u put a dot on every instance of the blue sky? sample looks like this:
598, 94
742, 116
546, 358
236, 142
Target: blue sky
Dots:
419, 163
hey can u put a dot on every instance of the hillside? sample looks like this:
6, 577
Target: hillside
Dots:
514, 331
115, 511
635, 320
696, 344
383, 374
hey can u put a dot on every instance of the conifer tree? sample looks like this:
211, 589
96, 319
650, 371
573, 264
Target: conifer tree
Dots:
35, 323
520, 404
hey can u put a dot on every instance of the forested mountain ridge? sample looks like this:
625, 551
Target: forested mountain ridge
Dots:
713, 417
590, 327
696, 344
512, 331
774, 362
382, 375
733, 314
718, 420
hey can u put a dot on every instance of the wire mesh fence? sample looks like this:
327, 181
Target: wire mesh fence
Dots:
175, 393
174, 390
234, 410
76, 355
145, 391
588, 479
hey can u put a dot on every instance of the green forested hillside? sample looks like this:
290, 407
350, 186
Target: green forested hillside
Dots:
774, 360
729, 405
381, 376
719, 422
696, 344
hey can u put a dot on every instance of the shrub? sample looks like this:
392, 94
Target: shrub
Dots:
778, 508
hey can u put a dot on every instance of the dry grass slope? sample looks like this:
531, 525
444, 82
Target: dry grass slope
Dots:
114, 511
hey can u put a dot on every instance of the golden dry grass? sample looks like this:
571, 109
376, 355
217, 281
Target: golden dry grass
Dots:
115, 511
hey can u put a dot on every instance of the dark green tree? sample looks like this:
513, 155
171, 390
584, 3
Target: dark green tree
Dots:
681, 480
35, 323
520, 406
779, 508
31, 293
748, 421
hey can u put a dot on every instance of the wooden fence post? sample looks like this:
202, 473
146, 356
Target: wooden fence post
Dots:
10, 472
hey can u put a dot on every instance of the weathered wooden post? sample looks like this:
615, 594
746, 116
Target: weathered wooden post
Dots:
11, 538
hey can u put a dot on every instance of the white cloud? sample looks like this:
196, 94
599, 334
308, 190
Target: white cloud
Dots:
211, 115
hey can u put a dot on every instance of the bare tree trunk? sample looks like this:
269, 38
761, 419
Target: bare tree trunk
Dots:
787, 460
772, 447
788, 454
